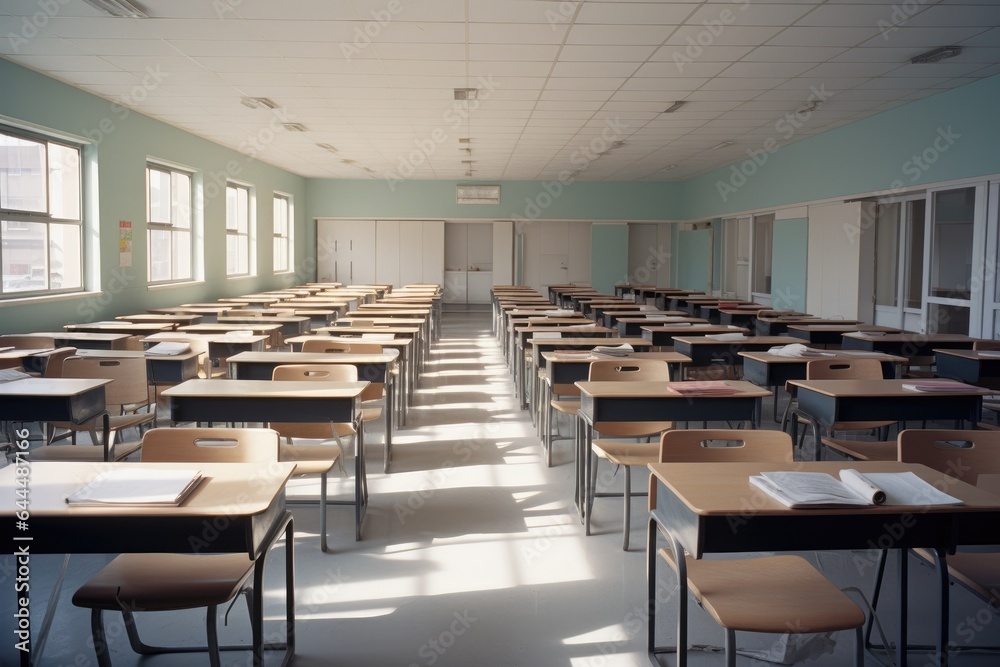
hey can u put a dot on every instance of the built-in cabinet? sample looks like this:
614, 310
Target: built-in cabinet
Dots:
469, 258
345, 251
399, 252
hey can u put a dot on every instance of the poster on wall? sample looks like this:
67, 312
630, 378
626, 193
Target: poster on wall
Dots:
124, 243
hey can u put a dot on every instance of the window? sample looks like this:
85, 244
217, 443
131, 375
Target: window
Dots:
763, 227
40, 215
238, 227
168, 224
282, 232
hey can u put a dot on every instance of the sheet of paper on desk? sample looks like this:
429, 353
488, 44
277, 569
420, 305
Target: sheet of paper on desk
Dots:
703, 388
818, 489
798, 350
6, 348
168, 347
137, 486
11, 374
622, 350
939, 385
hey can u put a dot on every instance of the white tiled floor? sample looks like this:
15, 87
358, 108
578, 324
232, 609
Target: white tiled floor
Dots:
472, 556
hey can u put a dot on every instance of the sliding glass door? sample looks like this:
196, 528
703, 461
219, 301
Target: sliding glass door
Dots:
899, 262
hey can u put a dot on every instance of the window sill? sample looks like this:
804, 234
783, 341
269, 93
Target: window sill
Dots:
47, 298
183, 283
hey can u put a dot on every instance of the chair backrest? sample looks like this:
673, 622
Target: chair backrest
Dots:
129, 387
315, 345
362, 323
986, 345
311, 372
210, 445
641, 370
964, 455
742, 445
844, 369
55, 360
27, 342
134, 343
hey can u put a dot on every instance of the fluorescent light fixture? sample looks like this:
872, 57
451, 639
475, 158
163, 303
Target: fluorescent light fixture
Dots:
327, 147
476, 194
120, 9
937, 55
809, 108
467, 161
669, 167
258, 102
465, 140
674, 107
722, 144
466, 93
294, 127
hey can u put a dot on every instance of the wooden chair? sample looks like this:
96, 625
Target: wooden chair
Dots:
128, 402
972, 456
316, 459
171, 582
316, 345
624, 454
27, 342
772, 594
850, 369
991, 403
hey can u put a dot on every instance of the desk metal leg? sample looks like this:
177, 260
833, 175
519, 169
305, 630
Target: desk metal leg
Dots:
388, 425
902, 557
941, 569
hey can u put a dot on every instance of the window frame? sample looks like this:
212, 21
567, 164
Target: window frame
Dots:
152, 226
248, 237
46, 218
286, 236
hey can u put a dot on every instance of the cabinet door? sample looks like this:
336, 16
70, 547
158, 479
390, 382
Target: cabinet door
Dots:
433, 246
387, 252
411, 256
362, 248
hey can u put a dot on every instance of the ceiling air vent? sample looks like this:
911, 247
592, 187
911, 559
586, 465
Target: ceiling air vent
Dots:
477, 194
294, 127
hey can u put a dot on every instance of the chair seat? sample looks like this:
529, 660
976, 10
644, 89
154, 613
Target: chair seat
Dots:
764, 594
980, 572
309, 459
118, 422
864, 450
164, 582
627, 453
631, 429
83, 452
855, 426
371, 414
566, 406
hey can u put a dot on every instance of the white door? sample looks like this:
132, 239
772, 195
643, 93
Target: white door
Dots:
900, 230
432, 270
345, 251
991, 285
411, 252
387, 252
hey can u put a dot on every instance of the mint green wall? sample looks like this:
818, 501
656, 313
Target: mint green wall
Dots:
694, 248
789, 249
122, 140
608, 256
947, 136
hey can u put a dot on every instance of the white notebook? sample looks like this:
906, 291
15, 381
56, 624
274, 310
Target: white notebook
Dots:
137, 486
818, 489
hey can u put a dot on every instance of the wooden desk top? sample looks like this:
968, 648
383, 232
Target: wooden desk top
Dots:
563, 358
136, 328
21, 353
879, 388
81, 335
591, 342
267, 319
552, 321
976, 355
386, 357
222, 327
393, 329
207, 337
846, 328
194, 310
388, 321
768, 358
135, 354
636, 389
749, 340
911, 336
184, 318
719, 489
203, 388
696, 328
46, 387
653, 321
391, 342
796, 319
570, 328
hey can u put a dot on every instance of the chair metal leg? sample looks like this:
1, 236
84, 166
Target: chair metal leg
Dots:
322, 513
591, 488
212, 632
100, 639
628, 508
730, 648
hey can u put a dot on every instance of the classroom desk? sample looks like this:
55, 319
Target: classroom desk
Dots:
662, 335
177, 319
74, 400
85, 340
291, 325
30, 359
208, 313
554, 290
220, 346
563, 368
621, 289
664, 299
907, 344
742, 316
773, 371
978, 367
630, 325
599, 311
128, 328
397, 325
706, 351
262, 401
713, 311
702, 508
221, 328
655, 401
522, 334
692, 304
610, 316
831, 334
775, 326
319, 317
375, 368
825, 402
255, 516
251, 300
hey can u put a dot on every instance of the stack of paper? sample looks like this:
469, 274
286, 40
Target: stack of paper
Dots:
703, 388
727, 336
558, 312
168, 348
378, 336
10, 374
622, 350
137, 486
798, 350
939, 385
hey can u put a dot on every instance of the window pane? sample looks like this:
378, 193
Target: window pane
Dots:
65, 255
231, 194
181, 201
22, 174
159, 195
762, 230
914, 254
182, 255
887, 254
951, 252
25, 256
159, 255
280, 254
232, 254
64, 182
242, 210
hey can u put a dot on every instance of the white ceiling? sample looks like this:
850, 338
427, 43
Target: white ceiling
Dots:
559, 82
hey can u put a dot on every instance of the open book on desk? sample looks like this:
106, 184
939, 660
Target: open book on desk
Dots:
168, 348
622, 350
818, 489
137, 487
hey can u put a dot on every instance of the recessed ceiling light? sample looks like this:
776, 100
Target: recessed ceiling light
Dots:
466, 93
937, 55
257, 102
327, 147
294, 127
467, 161
812, 106
724, 144
120, 9
674, 107
669, 167
465, 140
